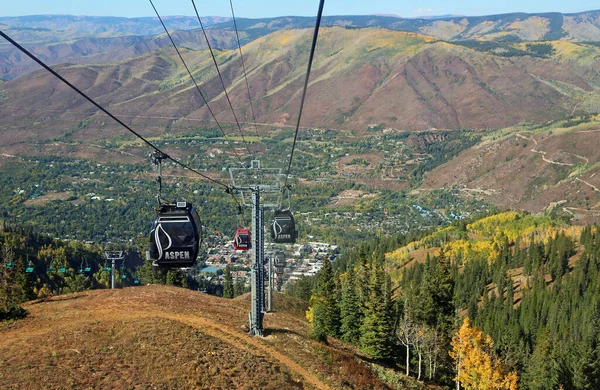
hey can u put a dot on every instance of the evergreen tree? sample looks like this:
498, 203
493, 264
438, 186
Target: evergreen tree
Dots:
375, 330
316, 317
228, 284
542, 371
362, 279
326, 290
11, 292
350, 310
176, 277
585, 362
24, 289
302, 289
238, 287
324, 305
149, 274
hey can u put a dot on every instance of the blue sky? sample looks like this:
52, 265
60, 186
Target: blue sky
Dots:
269, 8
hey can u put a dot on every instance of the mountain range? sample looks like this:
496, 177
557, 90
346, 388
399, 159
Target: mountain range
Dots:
76, 38
361, 78
534, 101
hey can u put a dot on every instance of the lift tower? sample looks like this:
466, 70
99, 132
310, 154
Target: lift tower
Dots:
260, 189
113, 256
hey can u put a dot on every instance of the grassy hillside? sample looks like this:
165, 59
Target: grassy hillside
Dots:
170, 338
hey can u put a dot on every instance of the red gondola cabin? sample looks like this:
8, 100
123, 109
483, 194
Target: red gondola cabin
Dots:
241, 240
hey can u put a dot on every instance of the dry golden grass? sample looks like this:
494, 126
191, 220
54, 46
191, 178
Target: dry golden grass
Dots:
157, 337
42, 200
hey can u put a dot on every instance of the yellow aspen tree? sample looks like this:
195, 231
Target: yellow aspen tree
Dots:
478, 369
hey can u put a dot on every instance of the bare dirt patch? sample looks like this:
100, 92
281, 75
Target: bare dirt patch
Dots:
43, 199
358, 163
349, 197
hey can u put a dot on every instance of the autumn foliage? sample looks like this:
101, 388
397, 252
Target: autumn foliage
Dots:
478, 368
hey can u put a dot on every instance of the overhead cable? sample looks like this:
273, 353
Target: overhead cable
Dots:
310, 60
218, 71
41, 63
237, 35
196, 84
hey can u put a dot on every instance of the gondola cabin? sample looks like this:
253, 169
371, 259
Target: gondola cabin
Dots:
283, 228
279, 260
241, 240
175, 236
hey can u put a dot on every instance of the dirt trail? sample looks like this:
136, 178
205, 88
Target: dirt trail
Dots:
542, 153
588, 184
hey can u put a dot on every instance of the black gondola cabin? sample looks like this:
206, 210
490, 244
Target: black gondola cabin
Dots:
175, 236
283, 228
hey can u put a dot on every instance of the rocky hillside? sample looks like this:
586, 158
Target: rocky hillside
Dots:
550, 168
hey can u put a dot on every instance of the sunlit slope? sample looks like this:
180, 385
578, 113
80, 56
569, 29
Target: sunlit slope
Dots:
168, 338
484, 239
79, 38
360, 78
536, 168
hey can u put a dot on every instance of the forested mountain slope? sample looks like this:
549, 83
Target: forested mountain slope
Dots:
532, 284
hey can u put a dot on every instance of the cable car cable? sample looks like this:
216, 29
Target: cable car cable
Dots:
196, 84
310, 60
41, 63
237, 35
218, 71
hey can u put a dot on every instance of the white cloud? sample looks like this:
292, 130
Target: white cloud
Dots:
422, 10
426, 11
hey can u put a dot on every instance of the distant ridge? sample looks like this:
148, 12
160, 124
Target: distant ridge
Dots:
407, 81
433, 17
510, 27
111, 25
